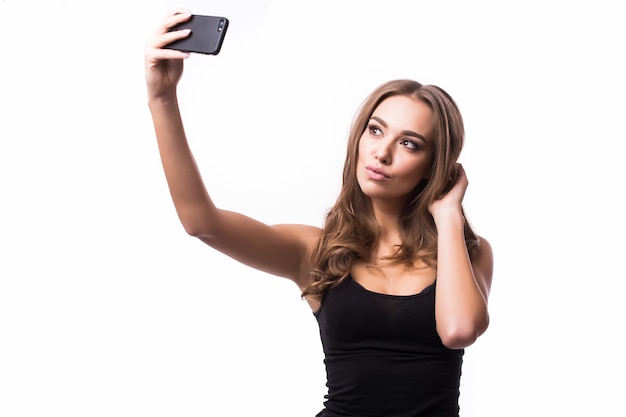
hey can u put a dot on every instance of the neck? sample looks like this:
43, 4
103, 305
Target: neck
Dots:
387, 215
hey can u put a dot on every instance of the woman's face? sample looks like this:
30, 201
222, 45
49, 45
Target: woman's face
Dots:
395, 150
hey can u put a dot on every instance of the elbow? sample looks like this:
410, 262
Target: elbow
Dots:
460, 335
202, 233
458, 340
198, 225
193, 230
201, 230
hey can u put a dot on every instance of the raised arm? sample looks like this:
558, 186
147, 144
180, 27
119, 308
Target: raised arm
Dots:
462, 285
282, 250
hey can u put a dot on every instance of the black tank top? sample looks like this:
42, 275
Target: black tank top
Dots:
383, 355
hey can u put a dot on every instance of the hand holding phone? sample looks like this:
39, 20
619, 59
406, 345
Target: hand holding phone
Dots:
206, 37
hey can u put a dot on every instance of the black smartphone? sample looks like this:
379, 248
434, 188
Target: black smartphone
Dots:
206, 37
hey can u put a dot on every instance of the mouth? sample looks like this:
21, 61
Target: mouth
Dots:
376, 173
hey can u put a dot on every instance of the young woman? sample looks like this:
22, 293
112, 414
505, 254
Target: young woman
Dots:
396, 278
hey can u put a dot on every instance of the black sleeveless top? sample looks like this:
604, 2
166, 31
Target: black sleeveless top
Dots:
383, 355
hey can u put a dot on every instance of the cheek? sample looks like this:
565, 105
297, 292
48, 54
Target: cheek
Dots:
422, 170
361, 147
416, 171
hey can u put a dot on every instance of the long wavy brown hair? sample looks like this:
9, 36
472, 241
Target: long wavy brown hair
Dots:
351, 231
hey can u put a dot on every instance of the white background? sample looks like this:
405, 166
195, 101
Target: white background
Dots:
107, 308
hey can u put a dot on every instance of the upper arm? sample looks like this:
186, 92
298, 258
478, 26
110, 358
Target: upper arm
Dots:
282, 250
482, 266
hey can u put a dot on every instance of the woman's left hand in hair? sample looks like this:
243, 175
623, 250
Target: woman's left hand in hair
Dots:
451, 201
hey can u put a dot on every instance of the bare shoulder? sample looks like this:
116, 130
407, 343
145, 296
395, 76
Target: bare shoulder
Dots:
483, 265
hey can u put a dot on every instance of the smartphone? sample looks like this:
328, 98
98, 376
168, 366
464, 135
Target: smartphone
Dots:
206, 37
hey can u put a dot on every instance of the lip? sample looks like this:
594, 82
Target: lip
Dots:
376, 173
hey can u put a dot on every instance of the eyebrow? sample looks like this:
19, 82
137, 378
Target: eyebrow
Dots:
404, 132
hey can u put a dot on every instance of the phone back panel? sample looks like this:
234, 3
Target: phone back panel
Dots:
206, 37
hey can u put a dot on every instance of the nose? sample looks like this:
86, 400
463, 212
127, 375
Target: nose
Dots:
383, 153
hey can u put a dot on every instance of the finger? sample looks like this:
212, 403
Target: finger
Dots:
454, 173
168, 37
179, 10
461, 176
175, 17
461, 171
164, 35
155, 55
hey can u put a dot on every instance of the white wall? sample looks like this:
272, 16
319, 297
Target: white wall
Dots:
107, 308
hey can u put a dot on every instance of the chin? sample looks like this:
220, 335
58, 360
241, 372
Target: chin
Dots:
381, 194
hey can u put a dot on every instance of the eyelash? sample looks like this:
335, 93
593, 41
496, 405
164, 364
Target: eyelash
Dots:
410, 144
413, 146
371, 128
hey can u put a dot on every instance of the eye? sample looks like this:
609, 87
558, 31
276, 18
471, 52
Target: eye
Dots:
407, 143
374, 130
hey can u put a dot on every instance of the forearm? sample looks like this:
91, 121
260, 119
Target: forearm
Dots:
460, 306
191, 200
